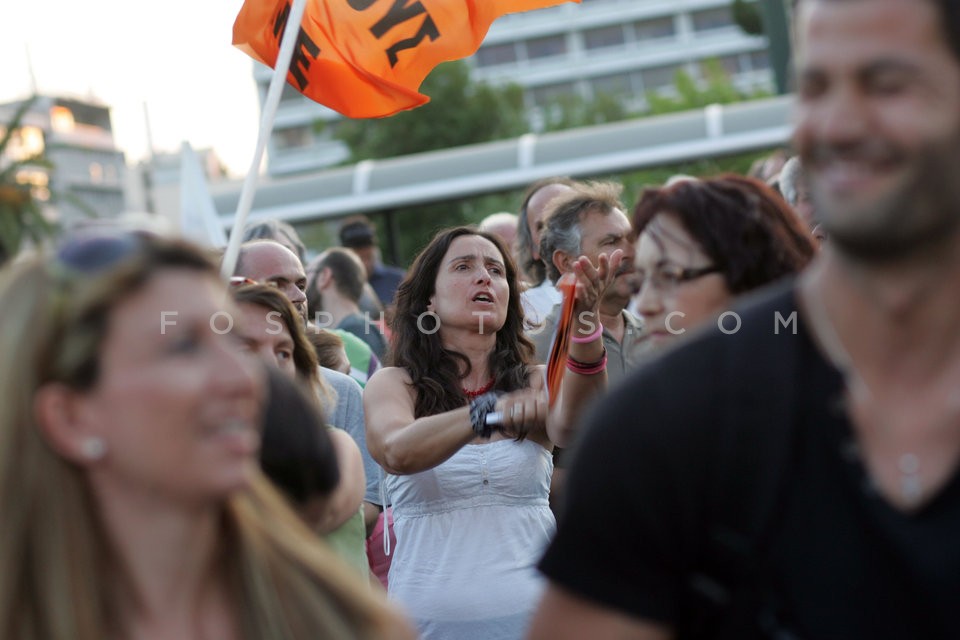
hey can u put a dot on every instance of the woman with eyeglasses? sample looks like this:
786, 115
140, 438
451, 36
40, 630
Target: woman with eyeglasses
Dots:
701, 243
130, 499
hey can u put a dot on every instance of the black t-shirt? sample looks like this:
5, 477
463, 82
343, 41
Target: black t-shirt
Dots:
652, 475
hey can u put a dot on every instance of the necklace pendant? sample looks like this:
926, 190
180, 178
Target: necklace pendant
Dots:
911, 488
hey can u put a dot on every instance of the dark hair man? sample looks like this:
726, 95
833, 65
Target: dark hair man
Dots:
360, 236
335, 289
802, 483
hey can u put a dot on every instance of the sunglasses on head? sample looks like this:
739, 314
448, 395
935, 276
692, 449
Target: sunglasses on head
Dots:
90, 252
240, 281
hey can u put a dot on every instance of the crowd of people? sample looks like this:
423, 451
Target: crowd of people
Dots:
741, 422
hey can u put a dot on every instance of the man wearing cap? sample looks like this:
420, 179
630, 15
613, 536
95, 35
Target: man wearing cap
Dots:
359, 236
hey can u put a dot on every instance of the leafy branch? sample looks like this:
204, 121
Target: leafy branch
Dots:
21, 217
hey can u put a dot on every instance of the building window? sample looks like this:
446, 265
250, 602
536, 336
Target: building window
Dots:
654, 29
603, 37
495, 54
759, 60
546, 47
96, 172
657, 78
731, 65
617, 86
24, 143
710, 19
61, 119
293, 138
547, 94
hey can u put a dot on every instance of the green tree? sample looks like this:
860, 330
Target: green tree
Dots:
21, 218
747, 16
572, 110
717, 88
460, 112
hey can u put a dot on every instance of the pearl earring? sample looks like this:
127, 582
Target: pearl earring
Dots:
94, 448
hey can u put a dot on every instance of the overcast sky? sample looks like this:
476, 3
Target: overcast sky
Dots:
173, 55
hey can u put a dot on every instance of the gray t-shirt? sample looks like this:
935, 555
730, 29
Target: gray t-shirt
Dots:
347, 414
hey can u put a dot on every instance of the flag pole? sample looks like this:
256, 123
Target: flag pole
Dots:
287, 43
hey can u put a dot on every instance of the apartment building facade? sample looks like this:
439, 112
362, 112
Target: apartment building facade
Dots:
621, 48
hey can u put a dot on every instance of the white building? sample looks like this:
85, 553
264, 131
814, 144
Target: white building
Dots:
76, 137
623, 48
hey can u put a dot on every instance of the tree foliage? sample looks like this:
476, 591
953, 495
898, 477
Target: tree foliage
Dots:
572, 110
21, 218
460, 112
717, 88
747, 16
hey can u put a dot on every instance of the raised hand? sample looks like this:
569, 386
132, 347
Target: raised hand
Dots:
593, 281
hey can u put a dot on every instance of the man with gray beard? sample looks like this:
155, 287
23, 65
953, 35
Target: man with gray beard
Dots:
589, 220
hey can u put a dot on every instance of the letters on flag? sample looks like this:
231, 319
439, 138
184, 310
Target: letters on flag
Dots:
367, 58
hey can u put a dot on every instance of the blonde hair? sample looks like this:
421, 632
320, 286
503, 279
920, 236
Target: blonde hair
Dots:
56, 579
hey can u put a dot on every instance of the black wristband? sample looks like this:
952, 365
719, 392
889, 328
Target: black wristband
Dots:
479, 408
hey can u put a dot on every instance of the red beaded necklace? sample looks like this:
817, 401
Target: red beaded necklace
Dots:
478, 392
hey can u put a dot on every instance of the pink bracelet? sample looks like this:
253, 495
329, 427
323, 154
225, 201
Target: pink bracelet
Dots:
590, 338
588, 369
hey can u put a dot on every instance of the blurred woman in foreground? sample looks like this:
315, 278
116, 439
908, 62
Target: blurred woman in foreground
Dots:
131, 502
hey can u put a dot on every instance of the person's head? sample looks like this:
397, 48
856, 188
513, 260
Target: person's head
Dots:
331, 352
338, 269
463, 281
360, 236
767, 167
588, 221
114, 383
114, 342
296, 454
878, 122
793, 186
123, 395
269, 327
279, 231
530, 223
702, 242
503, 225
270, 262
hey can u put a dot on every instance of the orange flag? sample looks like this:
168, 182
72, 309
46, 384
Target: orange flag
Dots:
557, 362
367, 58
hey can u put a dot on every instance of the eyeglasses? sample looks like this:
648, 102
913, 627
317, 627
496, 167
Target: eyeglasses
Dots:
667, 277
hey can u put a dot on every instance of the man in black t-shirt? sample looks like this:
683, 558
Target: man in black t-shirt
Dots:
799, 478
